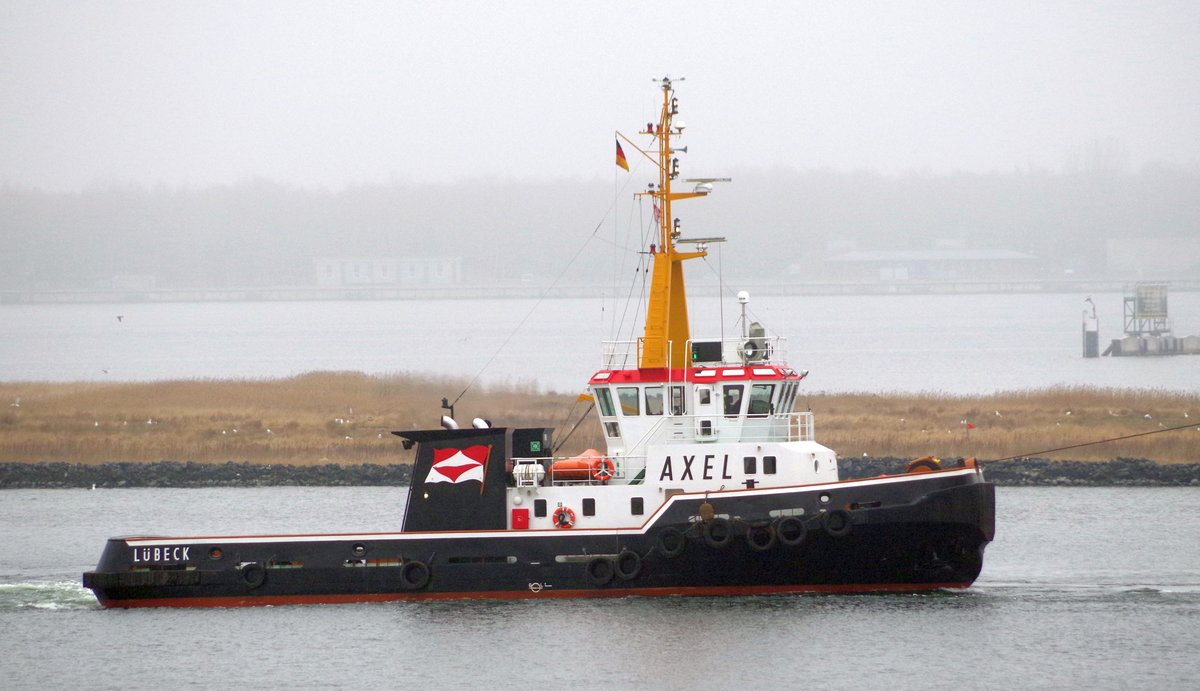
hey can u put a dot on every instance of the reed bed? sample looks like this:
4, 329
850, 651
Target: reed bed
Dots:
1013, 424
347, 417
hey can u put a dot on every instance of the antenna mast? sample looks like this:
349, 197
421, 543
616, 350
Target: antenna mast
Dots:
665, 340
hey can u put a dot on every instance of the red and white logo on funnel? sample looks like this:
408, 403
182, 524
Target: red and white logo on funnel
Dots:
458, 465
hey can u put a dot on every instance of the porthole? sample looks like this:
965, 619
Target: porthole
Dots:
359, 549
215, 553
824, 498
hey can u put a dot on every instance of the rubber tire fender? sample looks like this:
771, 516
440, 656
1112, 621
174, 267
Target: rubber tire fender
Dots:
672, 542
600, 571
628, 565
415, 575
791, 531
758, 543
718, 533
838, 523
253, 575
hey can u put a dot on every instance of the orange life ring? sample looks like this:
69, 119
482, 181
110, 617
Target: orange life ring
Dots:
603, 470
564, 517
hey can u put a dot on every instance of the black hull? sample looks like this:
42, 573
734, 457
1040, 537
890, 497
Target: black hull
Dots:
903, 533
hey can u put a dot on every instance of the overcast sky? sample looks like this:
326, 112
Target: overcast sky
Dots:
340, 93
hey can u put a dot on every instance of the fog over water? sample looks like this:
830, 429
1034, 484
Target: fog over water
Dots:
219, 145
329, 95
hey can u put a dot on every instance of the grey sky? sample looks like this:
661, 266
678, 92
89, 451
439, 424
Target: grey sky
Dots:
335, 94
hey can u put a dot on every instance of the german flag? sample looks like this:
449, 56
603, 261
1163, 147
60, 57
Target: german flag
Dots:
621, 161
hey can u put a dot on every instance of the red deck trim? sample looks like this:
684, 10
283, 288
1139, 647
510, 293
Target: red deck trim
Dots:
332, 599
684, 376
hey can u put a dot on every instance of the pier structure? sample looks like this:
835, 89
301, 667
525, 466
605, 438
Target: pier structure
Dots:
1148, 325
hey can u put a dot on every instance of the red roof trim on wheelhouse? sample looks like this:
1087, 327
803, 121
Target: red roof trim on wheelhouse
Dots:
698, 374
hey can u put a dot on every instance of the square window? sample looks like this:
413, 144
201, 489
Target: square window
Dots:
636, 506
769, 465
589, 507
654, 400
750, 465
604, 398
733, 399
539, 508
628, 398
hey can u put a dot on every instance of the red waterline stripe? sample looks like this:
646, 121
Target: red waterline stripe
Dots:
332, 599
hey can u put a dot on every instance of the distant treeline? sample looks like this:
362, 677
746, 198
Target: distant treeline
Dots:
264, 234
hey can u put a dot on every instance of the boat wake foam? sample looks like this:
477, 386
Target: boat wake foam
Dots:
46, 595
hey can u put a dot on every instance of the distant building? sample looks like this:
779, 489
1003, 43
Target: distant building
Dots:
414, 272
1143, 257
930, 265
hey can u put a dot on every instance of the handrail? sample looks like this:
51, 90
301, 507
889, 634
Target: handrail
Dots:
622, 468
739, 351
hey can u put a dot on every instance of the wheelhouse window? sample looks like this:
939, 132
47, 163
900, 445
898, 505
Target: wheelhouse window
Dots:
654, 400
733, 399
760, 399
628, 396
604, 398
788, 397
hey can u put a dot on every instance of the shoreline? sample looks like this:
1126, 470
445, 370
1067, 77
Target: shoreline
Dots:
1030, 472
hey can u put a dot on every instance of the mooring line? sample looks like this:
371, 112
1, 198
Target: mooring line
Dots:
1102, 441
541, 297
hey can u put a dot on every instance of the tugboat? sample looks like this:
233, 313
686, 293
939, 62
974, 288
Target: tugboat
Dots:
712, 483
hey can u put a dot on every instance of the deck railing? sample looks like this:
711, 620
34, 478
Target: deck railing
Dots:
706, 352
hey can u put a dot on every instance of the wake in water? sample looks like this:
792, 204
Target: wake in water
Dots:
56, 595
1093, 591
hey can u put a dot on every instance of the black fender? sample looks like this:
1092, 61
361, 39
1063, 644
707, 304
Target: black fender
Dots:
415, 575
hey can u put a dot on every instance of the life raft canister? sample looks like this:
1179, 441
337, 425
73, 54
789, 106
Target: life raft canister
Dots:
603, 470
925, 464
564, 517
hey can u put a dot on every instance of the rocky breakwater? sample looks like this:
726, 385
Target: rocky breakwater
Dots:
178, 474
1016, 473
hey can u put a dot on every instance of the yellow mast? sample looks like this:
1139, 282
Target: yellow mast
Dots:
665, 340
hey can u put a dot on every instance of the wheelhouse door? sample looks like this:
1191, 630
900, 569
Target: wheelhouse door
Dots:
706, 412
